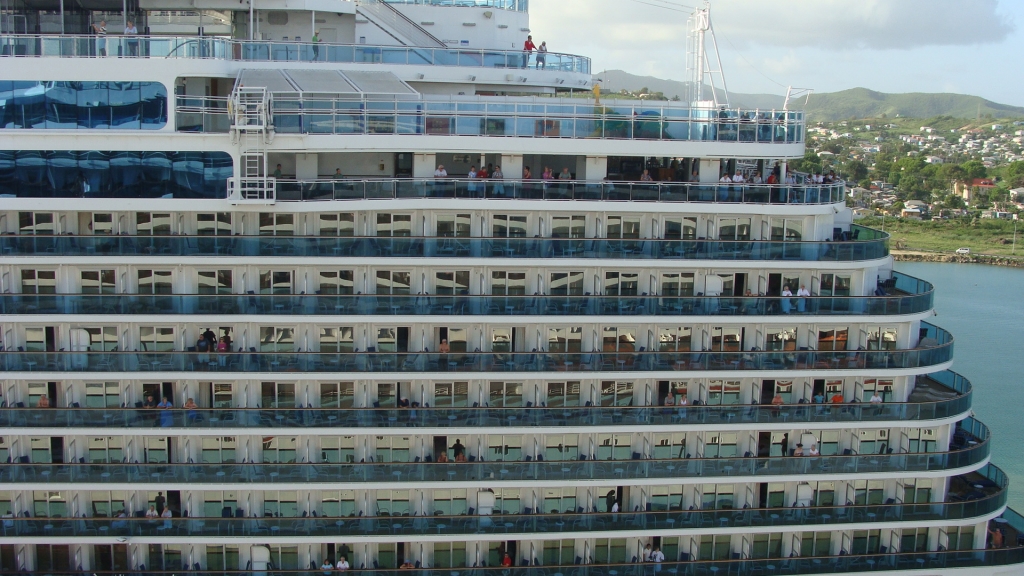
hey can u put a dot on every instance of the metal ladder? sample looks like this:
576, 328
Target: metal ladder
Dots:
250, 125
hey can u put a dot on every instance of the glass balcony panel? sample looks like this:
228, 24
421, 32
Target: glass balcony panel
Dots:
513, 466
563, 410
455, 523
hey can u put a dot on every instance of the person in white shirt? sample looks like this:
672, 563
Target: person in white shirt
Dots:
757, 179
790, 179
814, 450
440, 172
801, 304
875, 398
738, 178
787, 304
342, 563
647, 554
657, 556
725, 179
615, 507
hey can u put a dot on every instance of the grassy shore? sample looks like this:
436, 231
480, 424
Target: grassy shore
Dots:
989, 236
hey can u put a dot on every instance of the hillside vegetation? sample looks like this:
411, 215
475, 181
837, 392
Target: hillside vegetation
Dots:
828, 107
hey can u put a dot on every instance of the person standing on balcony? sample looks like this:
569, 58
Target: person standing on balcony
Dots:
101, 41
528, 48
499, 186
786, 302
471, 176
801, 294
133, 45
440, 172
316, 45
542, 56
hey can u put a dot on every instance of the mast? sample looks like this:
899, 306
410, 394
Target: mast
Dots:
704, 64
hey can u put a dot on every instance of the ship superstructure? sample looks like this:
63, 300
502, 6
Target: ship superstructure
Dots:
257, 316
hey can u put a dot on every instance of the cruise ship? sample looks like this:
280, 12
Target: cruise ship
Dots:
296, 286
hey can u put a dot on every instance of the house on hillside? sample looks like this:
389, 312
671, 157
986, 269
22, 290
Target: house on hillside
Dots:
968, 190
933, 160
1017, 194
915, 209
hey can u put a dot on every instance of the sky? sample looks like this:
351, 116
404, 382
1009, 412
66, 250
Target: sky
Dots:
963, 46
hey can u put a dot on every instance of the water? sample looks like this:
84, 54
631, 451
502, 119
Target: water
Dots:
981, 306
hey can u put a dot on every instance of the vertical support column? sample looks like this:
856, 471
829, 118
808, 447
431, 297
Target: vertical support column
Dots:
307, 166
783, 171
512, 166
596, 169
423, 165
709, 170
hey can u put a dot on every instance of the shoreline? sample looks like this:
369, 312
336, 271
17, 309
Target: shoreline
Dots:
917, 256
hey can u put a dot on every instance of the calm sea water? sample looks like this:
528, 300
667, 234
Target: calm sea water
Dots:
983, 306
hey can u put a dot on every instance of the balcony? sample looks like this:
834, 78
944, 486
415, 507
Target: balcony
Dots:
637, 362
710, 470
214, 48
563, 190
955, 391
864, 248
514, 117
987, 500
469, 306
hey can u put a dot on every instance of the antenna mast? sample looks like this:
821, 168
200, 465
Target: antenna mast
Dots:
704, 65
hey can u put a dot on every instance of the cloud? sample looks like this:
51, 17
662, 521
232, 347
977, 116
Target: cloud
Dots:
834, 25
858, 24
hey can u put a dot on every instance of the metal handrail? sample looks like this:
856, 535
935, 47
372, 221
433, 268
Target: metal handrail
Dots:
219, 48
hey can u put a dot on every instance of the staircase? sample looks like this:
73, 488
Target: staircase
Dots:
397, 25
250, 122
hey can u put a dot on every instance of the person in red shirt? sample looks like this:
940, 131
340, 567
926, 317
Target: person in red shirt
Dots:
506, 561
528, 48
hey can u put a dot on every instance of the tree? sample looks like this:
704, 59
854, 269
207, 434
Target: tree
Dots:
809, 163
1015, 174
855, 170
974, 169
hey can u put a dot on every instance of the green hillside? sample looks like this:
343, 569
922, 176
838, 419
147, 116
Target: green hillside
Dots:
853, 103
864, 103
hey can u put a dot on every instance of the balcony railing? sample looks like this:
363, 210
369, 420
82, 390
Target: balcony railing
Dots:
488, 417
472, 362
725, 469
210, 47
429, 247
991, 498
674, 192
306, 115
350, 305
934, 562
939, 351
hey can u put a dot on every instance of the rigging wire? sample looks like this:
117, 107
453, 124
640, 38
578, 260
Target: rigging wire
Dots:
744, 58
666, 5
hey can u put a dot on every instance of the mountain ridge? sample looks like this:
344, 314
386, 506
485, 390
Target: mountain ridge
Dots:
833, 106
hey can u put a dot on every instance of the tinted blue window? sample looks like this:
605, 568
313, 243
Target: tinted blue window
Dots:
122, 174
88, 105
